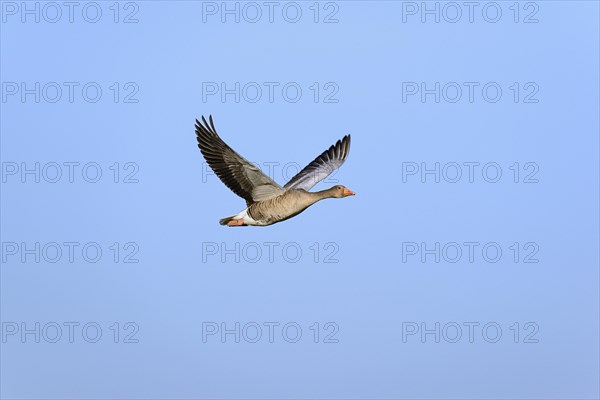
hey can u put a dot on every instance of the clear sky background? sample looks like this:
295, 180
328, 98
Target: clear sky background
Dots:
349, 297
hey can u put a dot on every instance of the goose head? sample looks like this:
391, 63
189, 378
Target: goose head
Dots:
339, 191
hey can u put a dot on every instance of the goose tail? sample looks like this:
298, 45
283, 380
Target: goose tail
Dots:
225, 220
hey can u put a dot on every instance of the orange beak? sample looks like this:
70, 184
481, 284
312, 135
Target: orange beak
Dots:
348, 192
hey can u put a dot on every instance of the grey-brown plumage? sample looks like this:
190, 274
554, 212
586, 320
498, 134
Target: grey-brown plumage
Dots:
238, 174
322, 166
267, 202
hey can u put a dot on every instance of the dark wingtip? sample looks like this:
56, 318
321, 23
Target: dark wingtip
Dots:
205, 127
346, 145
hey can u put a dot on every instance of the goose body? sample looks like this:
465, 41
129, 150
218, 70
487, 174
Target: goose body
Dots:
267, 202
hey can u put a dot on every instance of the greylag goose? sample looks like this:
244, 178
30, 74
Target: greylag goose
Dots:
267, 202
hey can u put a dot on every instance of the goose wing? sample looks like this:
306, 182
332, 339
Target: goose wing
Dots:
238, 174
322, 166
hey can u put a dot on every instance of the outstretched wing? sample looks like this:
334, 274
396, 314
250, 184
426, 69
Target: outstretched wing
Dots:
322, 166
238, 174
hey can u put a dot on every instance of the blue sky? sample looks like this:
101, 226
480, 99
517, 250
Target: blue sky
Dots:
467, 259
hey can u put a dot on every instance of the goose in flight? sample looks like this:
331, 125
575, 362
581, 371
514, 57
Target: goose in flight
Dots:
267, 202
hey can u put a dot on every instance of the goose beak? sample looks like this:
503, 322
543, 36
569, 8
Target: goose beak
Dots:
348, 192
